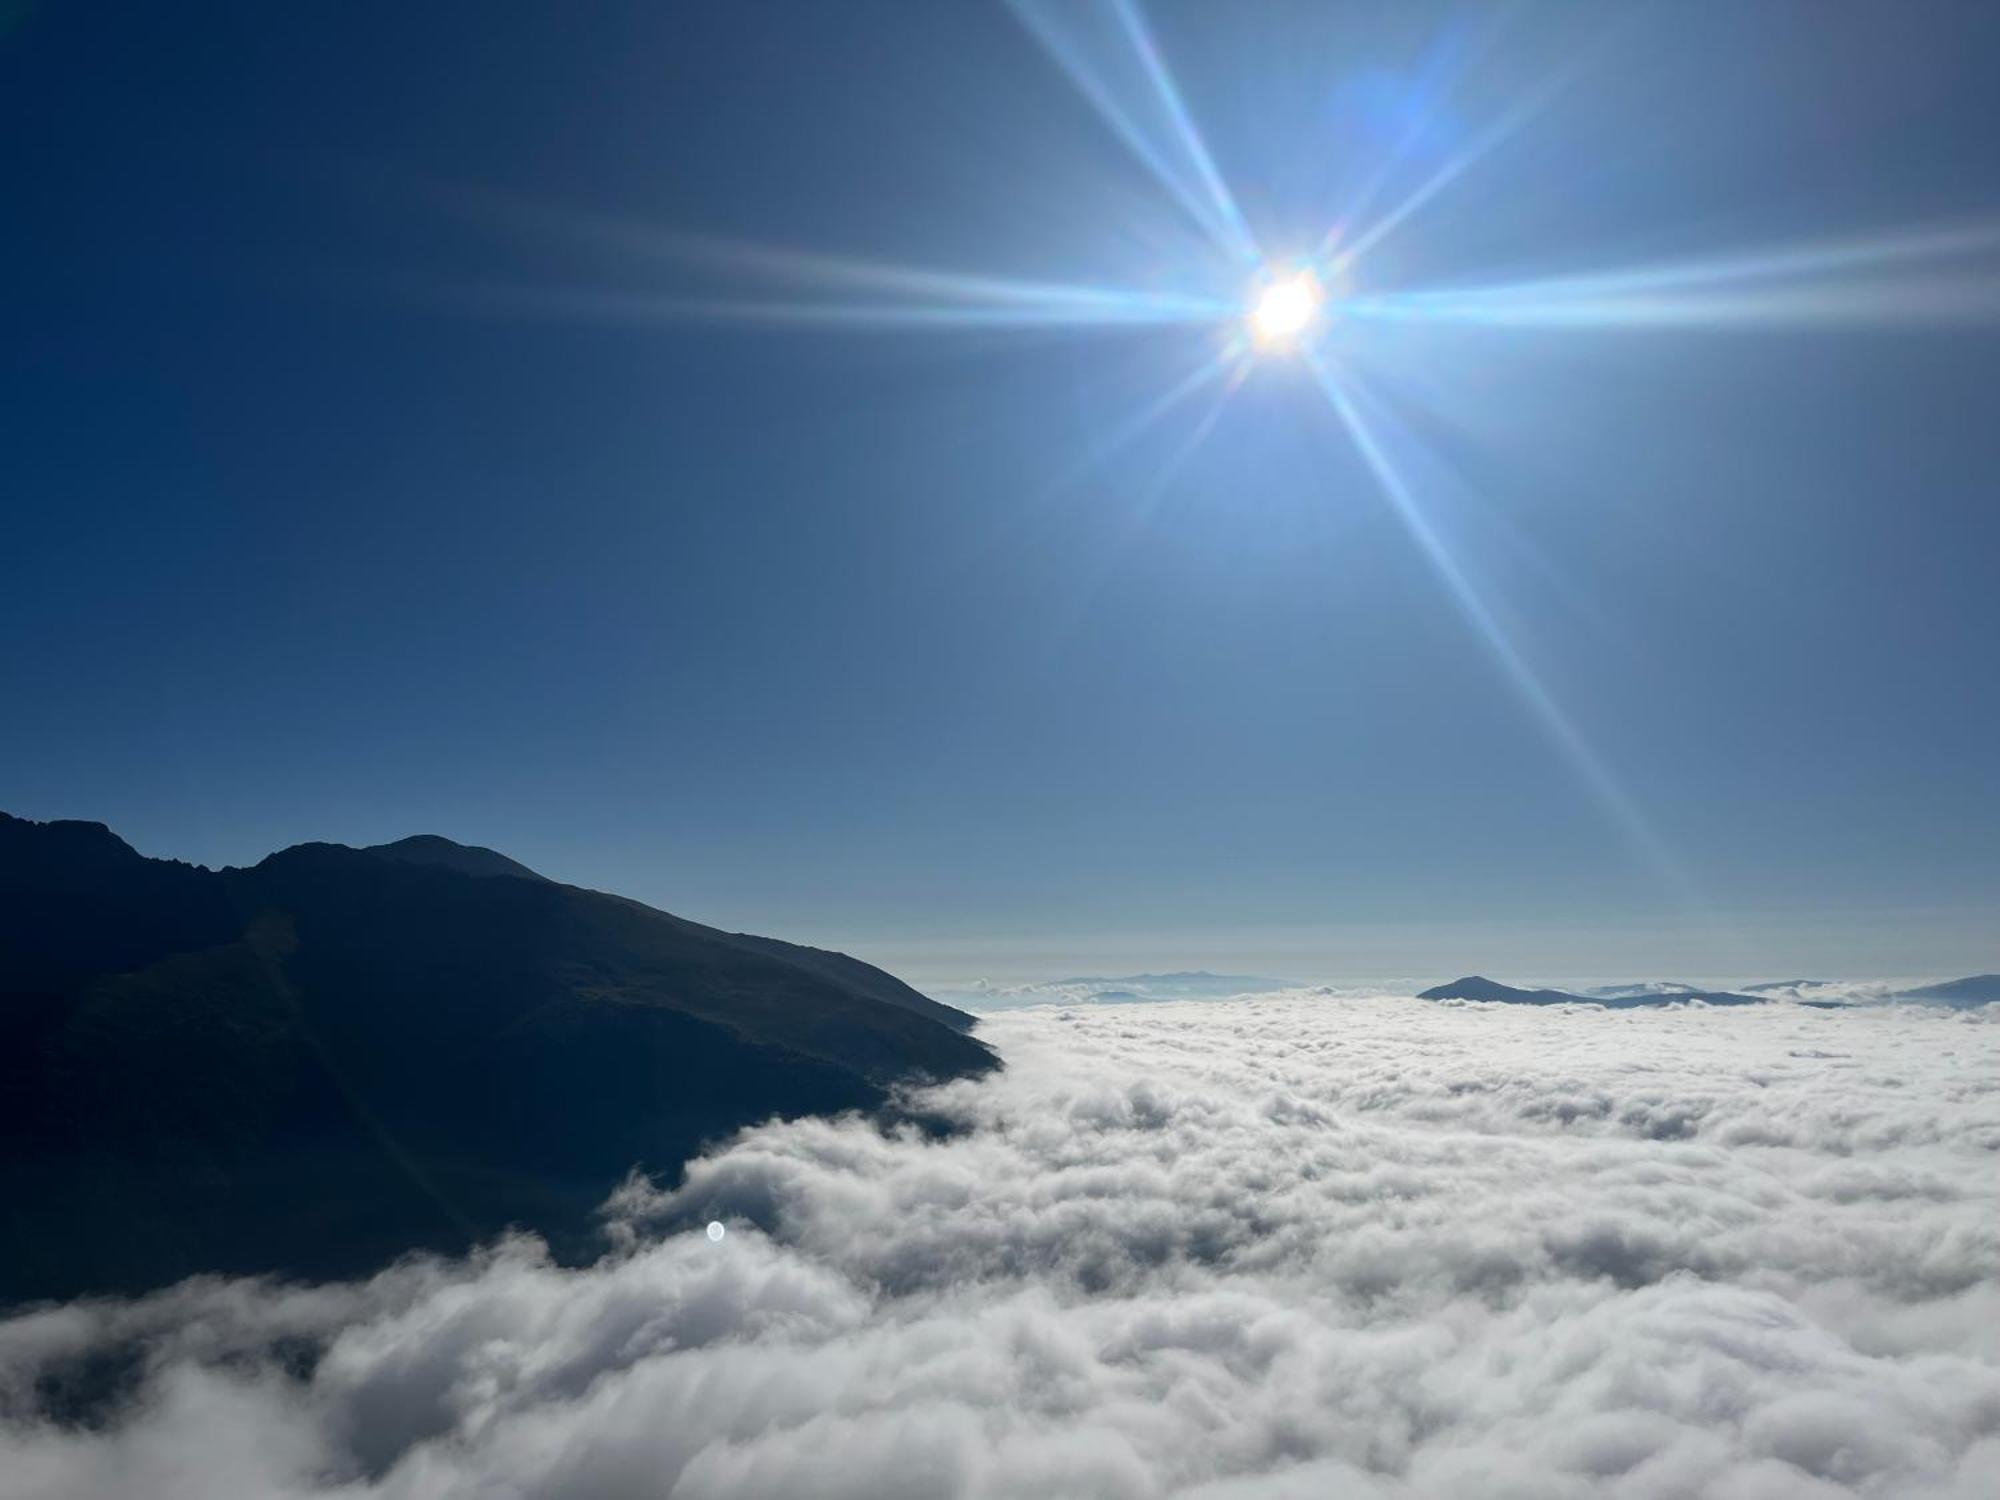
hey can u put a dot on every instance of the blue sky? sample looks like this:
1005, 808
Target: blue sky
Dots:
381, 459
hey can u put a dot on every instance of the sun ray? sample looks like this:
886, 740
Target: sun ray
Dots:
1867, 280
1465, 595
1139, 510
1434, 83
1129, 431
894, 296
1346, 256
1207, 200
1198, 434
811, 271
592, 304
1238, 232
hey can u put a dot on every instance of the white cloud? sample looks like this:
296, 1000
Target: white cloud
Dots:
1838, 991
1297, 1245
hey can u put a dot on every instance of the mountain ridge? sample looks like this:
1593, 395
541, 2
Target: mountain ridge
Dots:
1973, 990
468, 859
319, 1062
1612, 997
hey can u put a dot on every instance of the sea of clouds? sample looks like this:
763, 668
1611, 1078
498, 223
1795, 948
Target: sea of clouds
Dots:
1295, 1245
985, 997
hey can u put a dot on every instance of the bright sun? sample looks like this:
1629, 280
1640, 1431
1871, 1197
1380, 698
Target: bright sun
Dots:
1284, 309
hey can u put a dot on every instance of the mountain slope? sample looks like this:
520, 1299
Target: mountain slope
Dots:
1974, 989
855, 974
330, 1058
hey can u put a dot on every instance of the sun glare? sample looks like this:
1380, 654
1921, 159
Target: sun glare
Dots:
1285, 309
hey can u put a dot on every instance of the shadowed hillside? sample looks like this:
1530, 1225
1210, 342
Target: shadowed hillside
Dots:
337, 1055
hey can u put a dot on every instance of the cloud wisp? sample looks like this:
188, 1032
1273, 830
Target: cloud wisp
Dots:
1295, 1245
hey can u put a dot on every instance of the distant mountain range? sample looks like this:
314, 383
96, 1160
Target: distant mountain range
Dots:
1614, 997
1976, 989
314, 1064
1980, 989
1199, 984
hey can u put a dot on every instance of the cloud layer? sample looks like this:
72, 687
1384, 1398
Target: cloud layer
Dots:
1120, 989
1293, 1246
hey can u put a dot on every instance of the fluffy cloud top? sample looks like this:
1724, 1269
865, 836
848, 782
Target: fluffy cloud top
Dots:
1293, 1246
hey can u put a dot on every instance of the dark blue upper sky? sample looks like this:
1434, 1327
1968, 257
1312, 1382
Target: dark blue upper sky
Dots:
379, 460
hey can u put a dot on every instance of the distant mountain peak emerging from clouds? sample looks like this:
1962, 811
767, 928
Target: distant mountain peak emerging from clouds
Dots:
1976, 989
1613, 997
337, 1055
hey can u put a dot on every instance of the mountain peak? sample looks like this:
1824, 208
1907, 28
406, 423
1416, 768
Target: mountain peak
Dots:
467, 859
1479, 987
73, 840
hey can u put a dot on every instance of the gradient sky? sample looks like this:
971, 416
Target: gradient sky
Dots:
366, 473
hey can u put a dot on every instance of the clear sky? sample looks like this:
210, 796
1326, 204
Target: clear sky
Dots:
507, 421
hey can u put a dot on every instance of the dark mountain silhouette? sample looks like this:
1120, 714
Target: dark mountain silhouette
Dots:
837, 968
855, 975
1975, 989
1964, 994
337, 1055
1479, 987
1614, 997
467, 859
